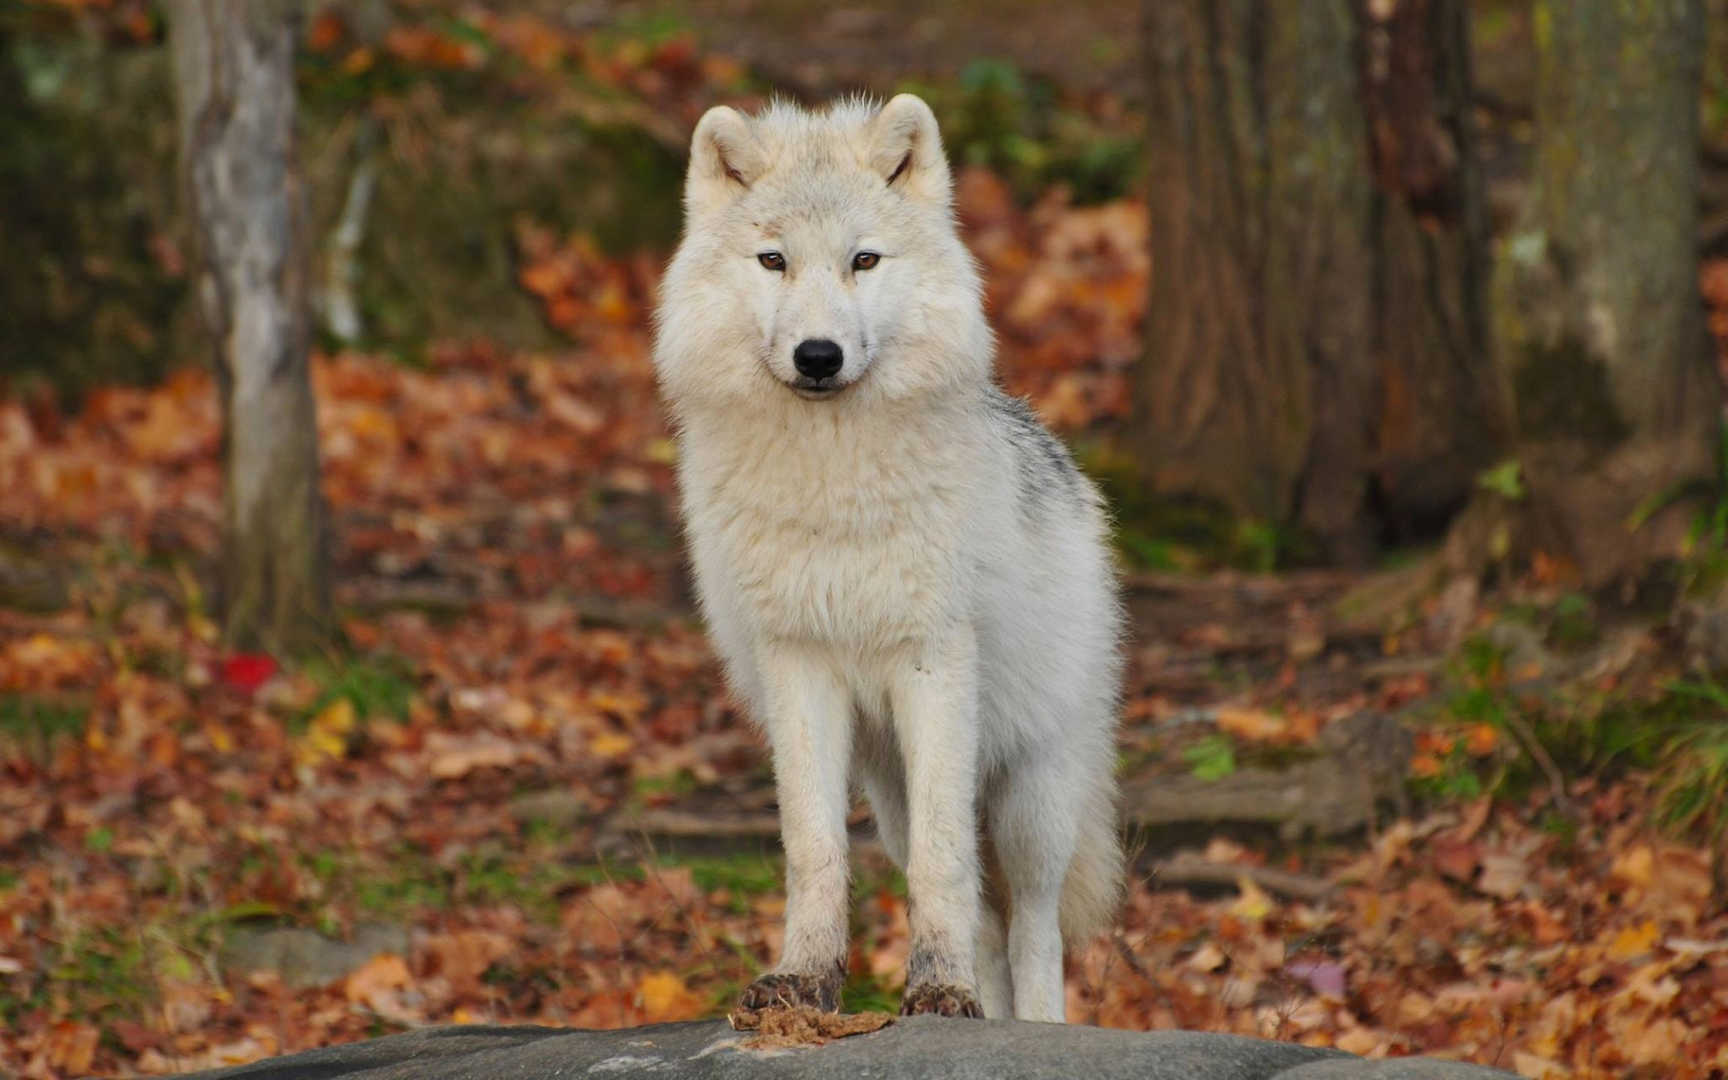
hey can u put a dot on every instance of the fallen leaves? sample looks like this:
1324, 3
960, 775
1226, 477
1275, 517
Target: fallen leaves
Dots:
664, 996
502, 521
782, 1028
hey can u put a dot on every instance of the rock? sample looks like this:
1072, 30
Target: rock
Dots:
306, 957
1525, 657
565, 808
921, 1047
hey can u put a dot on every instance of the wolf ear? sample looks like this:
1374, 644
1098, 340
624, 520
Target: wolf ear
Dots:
725, 159
906, 149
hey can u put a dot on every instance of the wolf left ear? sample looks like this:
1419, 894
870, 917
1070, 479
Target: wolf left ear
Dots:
725, 159
906, 149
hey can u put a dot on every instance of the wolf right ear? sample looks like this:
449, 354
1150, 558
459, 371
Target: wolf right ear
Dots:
906, 149
725, 159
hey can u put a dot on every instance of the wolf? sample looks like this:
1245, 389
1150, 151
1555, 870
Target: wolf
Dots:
905, 575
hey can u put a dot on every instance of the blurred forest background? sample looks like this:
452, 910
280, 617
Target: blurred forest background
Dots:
349, 679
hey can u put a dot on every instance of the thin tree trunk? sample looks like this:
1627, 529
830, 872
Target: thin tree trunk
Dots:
234, 66
1315, 344
1597, 312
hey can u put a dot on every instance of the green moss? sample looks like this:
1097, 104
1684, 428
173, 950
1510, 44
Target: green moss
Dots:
1563, 392
83, 198
1160, 532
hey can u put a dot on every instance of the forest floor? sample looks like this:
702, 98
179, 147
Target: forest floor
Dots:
1368, 810
519, 791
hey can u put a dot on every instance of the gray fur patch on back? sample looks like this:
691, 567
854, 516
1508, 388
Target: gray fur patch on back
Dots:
1045, 473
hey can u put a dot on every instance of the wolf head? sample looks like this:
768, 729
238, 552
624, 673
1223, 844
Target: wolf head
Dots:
820, 261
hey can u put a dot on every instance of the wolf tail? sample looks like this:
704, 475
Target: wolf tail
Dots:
1092, 891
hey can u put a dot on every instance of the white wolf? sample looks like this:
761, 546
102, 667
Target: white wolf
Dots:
904, 573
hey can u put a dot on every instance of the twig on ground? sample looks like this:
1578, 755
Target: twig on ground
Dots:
1187, 868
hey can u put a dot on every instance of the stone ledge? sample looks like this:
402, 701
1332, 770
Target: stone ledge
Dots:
922, 1047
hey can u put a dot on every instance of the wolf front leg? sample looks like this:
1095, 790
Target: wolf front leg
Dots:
808, 716
935, 705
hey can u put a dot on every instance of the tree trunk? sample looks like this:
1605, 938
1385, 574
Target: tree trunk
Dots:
234, 66
1596, 305
1315, 344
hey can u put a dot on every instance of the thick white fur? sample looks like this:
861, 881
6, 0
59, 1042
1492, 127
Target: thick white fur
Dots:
908, 581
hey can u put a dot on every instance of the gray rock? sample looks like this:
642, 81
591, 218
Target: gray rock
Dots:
922, 1047
306, 957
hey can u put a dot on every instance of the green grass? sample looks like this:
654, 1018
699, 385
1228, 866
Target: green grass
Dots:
103, 972
744, 875
864, 992
34, 725
1160, 532
407, 882
25, 717
377, 686
1676, 733
1211, 758
1015, 124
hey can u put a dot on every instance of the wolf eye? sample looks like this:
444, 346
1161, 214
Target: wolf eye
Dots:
864, 260
772, 260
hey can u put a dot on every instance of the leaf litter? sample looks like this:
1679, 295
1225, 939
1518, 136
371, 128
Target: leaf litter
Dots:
505, 540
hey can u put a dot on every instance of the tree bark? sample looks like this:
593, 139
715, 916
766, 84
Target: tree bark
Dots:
1596, 306
234, 68
1315, 344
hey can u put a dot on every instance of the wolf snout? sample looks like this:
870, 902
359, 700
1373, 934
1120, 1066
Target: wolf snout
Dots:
818, 358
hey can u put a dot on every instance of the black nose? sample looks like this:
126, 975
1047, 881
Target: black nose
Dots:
817, 358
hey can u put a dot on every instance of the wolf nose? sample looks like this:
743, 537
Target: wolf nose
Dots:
817, 358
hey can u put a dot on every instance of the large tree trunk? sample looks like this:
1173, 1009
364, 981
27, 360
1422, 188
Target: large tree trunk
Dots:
234, 65
1596, 303
1315, 345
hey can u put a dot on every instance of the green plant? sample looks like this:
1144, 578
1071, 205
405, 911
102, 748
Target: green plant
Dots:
1015, 124
1211, 758
36, 724
377, 686
1709, 528
1505, 479
865, 992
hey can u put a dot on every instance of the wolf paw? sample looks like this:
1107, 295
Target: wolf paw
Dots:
940, 1000
784, 990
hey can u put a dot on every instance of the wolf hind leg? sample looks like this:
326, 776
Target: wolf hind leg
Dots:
1033, 823
995, 982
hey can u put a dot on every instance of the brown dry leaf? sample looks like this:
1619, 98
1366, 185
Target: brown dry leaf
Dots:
371, 982
1357, 1040
1537, 1068
1667, 882
802, 1025
610, 744
1456, 860
1257, 725
1644, 1041
602, 917
453, 756
1504, 874
665, 996
1634, 941
1208, 957
462, 957
71, 1047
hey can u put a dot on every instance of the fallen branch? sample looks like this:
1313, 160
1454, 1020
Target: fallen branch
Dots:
1187, 868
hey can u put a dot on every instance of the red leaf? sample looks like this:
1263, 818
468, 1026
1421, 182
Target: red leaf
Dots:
248, 671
